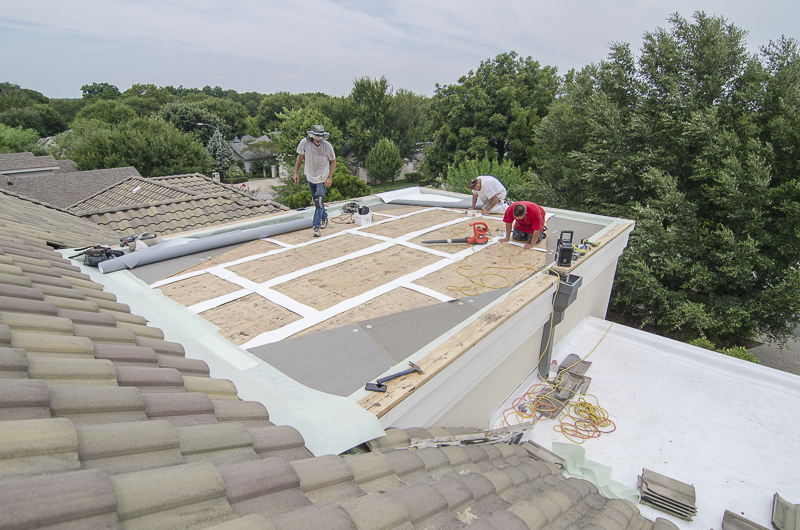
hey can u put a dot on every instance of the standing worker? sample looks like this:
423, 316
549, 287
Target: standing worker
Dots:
491, 193
529, 223
318, 153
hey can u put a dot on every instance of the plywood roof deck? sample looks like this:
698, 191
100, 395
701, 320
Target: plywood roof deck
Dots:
293, 284
350, 274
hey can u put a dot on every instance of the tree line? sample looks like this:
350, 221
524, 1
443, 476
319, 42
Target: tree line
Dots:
691, 136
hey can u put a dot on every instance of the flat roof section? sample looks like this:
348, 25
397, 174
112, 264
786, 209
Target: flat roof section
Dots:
351, 274
726, 426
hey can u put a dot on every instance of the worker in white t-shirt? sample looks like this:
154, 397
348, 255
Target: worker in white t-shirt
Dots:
491, 193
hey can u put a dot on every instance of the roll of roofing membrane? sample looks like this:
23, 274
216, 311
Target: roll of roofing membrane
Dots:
177, 247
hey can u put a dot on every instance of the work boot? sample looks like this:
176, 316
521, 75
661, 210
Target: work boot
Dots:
316, 232
324, 223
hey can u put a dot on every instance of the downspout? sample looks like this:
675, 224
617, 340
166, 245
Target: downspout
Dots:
563, 298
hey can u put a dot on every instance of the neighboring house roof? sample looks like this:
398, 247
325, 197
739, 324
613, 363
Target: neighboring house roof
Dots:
57, 228
201, 184
62, 189
103, 423
67, 166
240, 147
154, 205
21, 163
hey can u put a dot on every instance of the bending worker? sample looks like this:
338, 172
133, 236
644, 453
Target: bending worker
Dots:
528, 219
320, 165
491, 193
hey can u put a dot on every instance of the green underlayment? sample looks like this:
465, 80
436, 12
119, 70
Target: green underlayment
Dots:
577, 466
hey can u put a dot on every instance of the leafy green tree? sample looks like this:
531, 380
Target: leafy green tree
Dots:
14, 97
187, 116
263, 149
100, 90
273, 106
412, 121
161, 95
384, 161
68, 108
511, 176
42, 118
347, 185
17, 139
111, 111
250, 101
340, 110
142, 106
220, 152
151, 145
233, 114
374, 117
491, 112
683, 140
294, 127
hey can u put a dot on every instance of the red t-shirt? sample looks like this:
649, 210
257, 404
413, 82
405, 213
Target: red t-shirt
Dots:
533, 220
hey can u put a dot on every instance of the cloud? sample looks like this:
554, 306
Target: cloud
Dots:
322, 45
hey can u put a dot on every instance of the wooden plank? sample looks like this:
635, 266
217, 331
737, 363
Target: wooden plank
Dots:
459, 231
395, 301
335, 224
441, 357
248, 317
197, 289
268, 267
250, 249
495, 267
328, 287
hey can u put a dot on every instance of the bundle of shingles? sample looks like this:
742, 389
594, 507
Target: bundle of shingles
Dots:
667, 494
568, 381
785, 516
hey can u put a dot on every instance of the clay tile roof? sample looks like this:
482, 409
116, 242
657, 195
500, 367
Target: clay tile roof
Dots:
113, 427
169, 205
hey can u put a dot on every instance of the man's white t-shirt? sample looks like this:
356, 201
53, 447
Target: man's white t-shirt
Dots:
490, 187
317, 159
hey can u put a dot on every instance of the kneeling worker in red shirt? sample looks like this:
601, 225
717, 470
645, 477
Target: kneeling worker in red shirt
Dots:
529, 223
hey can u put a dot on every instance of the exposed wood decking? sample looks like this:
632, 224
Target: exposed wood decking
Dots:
367, 272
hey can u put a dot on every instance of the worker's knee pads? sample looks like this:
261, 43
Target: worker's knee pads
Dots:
318, 201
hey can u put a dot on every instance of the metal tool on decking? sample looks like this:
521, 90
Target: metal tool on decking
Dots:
380, 384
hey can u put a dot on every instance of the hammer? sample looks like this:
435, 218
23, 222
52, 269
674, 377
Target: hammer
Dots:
380, 384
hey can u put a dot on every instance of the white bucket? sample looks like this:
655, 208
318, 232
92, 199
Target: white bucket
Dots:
363, 220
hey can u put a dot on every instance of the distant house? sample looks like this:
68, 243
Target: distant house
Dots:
258, 150
168, 205
56, 182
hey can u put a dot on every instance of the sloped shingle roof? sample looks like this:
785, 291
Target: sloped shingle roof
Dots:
103, 423
20, 161
62, 189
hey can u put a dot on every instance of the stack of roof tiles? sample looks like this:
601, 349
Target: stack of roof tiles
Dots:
104, 424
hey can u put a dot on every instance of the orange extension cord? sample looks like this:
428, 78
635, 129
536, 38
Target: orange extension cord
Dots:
579, 421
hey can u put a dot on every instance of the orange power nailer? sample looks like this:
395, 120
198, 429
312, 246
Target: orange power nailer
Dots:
479, 236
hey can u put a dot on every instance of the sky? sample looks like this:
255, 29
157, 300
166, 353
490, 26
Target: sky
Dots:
268, 46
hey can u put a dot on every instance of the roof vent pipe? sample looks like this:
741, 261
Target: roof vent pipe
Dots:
566, 294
